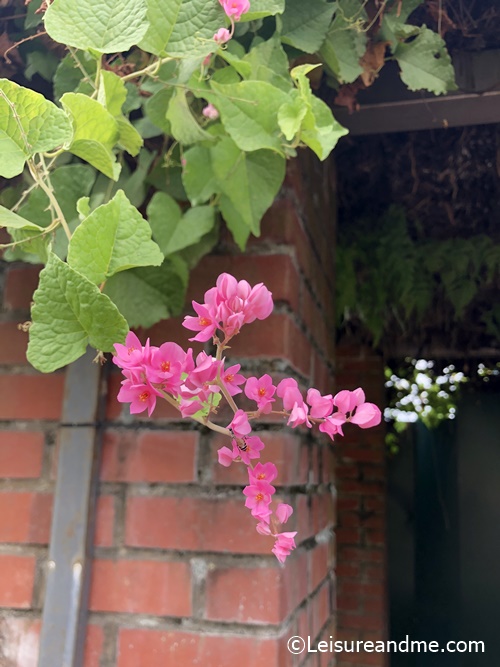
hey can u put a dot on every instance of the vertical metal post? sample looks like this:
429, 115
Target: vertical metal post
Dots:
68, 569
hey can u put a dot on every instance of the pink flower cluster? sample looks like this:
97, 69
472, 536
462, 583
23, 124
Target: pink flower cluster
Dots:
195, 387
228, 306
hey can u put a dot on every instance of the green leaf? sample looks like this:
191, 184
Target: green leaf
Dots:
129, 138
181, 28
69, 312
13, 221
95, 133
249, 112
148, 295
344, 44
426, 64
75, 77
174, 232
234, 221
184, 126
206, 244
198, 178
156, 109
113, 238
290, 117
268, 53
112, 93
305, 24
106, 26
250, 181
164, 214
29, 124
259, 9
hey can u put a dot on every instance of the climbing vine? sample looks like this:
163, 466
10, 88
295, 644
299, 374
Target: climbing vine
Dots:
166, 119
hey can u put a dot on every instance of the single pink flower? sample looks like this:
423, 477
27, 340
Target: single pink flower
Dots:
204, 323
367, 415
166, 366
299, 415
189, 408
235, 8
226, 456
240, 425
261, 391
284, 544
284, 512
288, 391
258, 498
263, 528
263, 472
210, 112
250, 449
140, 396
133, 354
330, 427
222, 36
260, 303
321, 406
232, 379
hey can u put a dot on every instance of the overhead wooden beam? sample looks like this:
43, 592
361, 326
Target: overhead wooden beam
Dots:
458, 110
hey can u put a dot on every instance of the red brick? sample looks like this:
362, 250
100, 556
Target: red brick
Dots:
345, 570
348, 536
19, 287
245, 595
362, 621
348, 603
141, 587
94, 645
105, 518
20, 641
148, 456
17, 575
320, 564
155, 648
25, 517
276, 337
21, 454
193, 524
347, 504
13, 344
31, 396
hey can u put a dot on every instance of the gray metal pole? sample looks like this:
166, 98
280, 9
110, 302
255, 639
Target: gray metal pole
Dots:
68, 569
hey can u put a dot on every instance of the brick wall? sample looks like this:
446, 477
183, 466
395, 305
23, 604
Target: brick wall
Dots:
180, 576
361, 507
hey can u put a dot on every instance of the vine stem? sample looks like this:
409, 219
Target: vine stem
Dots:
208, 423
46, 186
149, 70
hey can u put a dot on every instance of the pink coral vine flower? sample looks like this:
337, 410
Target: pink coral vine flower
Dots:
258, 498
284, 544
321, 406
288, 391
353, 407
210, 112
235, 8
222, 36
140, 395
284, 512
232, 379
263, 472
261, 391
204, 323
240, 425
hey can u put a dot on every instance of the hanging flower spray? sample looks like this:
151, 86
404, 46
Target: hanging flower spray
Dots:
195, 386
